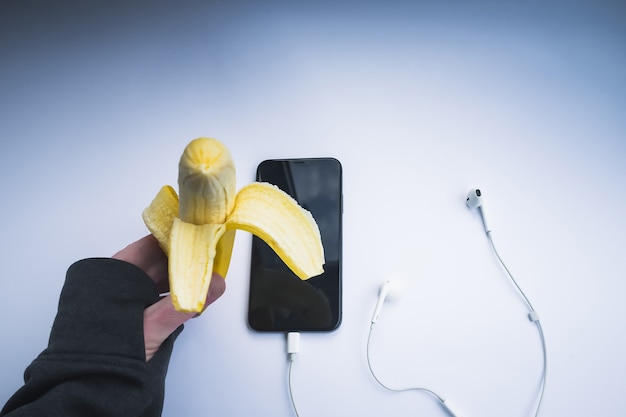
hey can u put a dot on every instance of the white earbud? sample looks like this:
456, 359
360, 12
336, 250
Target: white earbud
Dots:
475, 199
388, 291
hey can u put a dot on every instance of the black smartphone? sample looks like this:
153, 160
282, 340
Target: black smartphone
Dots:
278, 300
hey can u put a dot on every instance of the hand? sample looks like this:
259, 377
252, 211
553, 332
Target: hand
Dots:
161, 318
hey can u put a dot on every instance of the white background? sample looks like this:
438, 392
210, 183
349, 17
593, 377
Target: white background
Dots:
420, 101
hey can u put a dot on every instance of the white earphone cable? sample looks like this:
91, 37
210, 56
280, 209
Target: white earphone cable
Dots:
533, 317
369, 364
493, 246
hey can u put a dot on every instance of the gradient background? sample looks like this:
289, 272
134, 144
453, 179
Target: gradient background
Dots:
420, 101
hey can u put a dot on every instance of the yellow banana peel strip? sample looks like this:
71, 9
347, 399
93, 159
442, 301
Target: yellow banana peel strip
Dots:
194, 247
196, 229
160, 214
273, 215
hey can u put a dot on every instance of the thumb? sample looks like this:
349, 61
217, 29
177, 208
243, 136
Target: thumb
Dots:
161, 318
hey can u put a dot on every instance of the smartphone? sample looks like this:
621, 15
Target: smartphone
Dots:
278, 300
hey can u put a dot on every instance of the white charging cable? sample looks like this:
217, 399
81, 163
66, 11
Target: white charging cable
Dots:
293, 348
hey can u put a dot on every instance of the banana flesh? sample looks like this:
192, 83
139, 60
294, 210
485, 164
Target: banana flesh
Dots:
206, 182
196, 229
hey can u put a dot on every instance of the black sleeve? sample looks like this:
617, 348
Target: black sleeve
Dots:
95, 362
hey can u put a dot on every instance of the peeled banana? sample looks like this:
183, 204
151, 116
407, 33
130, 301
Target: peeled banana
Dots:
196, 228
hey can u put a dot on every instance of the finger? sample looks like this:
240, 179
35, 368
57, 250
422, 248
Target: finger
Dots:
161, 319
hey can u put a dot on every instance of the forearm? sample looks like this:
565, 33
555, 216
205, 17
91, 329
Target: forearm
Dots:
95, 363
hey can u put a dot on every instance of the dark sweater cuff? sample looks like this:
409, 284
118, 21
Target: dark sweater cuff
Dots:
101, 309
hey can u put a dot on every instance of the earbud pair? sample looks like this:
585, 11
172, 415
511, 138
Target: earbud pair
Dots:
390, 288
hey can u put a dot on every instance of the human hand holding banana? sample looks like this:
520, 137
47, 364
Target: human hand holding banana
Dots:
160, 319
196, 228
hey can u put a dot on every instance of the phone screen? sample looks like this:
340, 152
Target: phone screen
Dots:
279, 301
